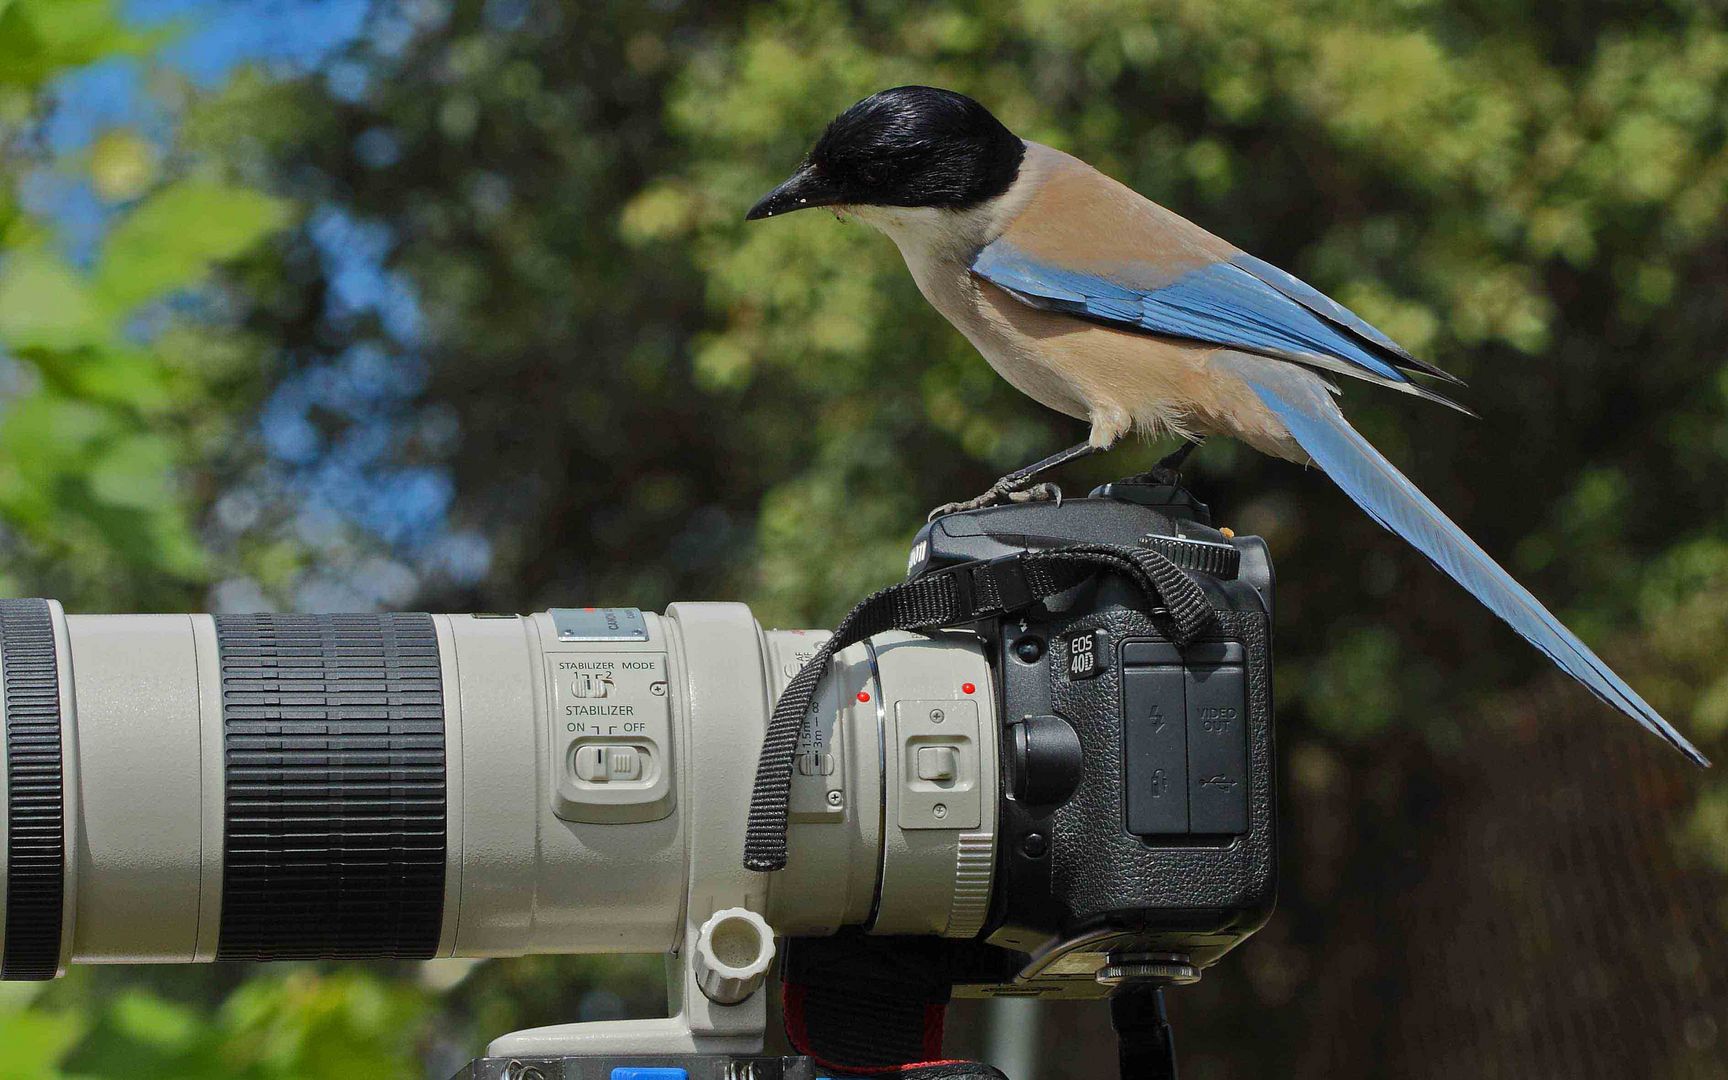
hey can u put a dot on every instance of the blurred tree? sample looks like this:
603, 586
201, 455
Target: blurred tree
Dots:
124, 401
113, 398
528, 352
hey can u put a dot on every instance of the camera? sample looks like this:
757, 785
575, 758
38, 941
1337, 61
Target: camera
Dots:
1058, 799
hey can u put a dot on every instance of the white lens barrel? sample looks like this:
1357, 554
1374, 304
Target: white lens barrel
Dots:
185, 788
893, 822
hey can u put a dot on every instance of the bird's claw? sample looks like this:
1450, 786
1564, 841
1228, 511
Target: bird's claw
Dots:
1004, 490
1037, 493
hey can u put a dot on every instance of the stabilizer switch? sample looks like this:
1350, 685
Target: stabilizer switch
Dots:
600, 763
938, 763
940, 768
611, 718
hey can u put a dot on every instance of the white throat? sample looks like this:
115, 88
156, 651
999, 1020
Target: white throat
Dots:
927, 235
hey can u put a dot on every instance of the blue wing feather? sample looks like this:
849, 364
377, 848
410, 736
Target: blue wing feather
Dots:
1315, 300
1242, 304
1392, 500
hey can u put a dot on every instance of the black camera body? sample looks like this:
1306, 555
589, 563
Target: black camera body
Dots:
1138, 817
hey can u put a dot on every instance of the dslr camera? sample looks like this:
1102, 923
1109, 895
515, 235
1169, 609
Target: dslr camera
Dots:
1042, 766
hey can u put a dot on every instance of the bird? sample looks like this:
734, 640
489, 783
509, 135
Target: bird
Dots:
1103, 305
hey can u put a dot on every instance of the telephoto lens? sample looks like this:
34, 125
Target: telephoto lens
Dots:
185, 788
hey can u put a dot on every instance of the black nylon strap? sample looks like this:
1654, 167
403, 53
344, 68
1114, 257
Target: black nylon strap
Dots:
861, 1004
952, 597
1217, 560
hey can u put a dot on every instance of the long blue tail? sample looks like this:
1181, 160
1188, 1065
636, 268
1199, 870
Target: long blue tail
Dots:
1305, 406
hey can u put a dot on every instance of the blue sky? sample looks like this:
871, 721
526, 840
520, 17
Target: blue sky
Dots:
212, 38
209, 39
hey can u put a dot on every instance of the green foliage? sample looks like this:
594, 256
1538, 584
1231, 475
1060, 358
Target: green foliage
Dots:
285, 1024
114, 405
35, 1040
39, 39
97, 433
170, 239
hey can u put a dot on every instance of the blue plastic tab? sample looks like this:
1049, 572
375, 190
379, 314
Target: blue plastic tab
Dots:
635, 1072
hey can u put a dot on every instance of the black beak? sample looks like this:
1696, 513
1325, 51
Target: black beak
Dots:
802, 190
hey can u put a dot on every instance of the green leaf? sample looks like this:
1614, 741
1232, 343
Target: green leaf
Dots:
162, 1024
34, 1042
47, 426
44, 441
137, 472
45, 304
174, 237
40, 38
129, 378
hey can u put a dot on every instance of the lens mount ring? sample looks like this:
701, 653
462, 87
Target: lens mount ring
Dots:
35, 792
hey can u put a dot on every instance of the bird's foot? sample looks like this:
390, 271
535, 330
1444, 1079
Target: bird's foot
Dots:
1158, 474
1038, 493
1168, 471
1007, 489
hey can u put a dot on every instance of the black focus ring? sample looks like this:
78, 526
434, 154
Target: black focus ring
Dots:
333, 736
1215, 560
35, 799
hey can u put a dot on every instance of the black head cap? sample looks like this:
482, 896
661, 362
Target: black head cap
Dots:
909, 146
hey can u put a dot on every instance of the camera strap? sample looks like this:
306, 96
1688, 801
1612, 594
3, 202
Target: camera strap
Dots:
955, 596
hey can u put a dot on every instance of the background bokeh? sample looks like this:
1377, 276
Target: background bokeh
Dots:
360, 304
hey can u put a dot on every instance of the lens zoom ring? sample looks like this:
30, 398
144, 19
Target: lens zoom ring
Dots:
333, 733
35, 821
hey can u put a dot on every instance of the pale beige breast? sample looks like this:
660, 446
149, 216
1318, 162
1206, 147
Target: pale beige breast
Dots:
1117, 380
1130, 381
986, 315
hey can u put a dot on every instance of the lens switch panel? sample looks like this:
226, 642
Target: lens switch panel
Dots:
819, 758
612, 727
939, 767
